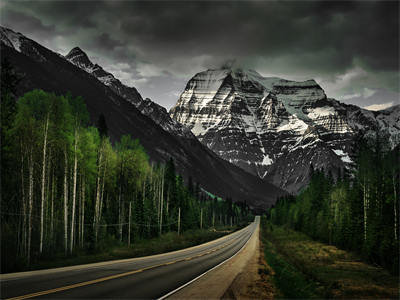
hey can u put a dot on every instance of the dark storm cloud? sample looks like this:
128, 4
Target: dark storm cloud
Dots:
28, 23
368, 31
342, 44
76, 14
105, 41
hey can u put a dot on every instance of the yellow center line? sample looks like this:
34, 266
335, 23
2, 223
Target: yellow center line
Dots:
85, 283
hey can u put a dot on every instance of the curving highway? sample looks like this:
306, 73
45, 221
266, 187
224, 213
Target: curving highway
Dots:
149, 277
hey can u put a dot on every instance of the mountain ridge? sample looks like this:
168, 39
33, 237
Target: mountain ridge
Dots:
269, 125
149, 108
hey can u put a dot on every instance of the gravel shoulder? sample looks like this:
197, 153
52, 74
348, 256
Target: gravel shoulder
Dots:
238, 278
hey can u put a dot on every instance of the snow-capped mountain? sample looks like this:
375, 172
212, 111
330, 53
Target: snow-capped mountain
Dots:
149, 108
273, 127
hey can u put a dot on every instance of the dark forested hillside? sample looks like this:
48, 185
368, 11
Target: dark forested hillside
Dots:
53, 73
65, 187
358, 212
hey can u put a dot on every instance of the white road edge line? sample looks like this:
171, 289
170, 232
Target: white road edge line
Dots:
97, 265
201, 275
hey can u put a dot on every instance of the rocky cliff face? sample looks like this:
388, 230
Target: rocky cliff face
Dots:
276, 128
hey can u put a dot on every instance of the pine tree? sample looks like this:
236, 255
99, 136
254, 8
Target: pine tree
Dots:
102, 126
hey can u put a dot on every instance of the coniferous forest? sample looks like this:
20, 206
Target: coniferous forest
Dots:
359, 211
65, 186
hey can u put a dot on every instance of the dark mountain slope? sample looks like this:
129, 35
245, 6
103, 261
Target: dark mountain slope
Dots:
147, 107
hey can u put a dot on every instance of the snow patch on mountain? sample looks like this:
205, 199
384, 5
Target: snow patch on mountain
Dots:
198, 129
11, 38
269, 125
267, 161
343, 156
292, 124
317, 112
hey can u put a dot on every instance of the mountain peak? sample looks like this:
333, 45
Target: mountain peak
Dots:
79, 57
238, 72
76, 50
232, 69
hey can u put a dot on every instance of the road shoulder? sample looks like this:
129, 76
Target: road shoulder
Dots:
24, 274
255, 281
237, 278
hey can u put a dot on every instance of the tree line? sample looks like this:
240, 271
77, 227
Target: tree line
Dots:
66, 187
359, 211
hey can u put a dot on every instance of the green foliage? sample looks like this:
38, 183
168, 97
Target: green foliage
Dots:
71, 191
360, 213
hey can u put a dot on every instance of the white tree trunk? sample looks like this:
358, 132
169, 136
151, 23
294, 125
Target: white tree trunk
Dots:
83, 211
162, 200
43, 184
201, 218
120, 199
129, 223
66, 203
48, 195
52, 210
71, 244
30, 193
97, 202
167, 206
179, 221
23, 208
144, 190
120, 212
158, 198
102, 192
365, 210
80, 212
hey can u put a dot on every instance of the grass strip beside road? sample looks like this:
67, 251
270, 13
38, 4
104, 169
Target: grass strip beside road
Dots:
113, 250
289, 281
305, 268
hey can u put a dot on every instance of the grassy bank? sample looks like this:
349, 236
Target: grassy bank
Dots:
305, 268
114, 250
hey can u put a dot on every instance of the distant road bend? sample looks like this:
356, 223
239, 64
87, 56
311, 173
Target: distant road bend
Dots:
150, 277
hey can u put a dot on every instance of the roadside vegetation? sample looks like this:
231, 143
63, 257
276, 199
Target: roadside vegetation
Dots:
68, 191
358, 212
305, 268
339, 238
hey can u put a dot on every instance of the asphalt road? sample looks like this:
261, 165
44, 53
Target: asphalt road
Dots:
148, 277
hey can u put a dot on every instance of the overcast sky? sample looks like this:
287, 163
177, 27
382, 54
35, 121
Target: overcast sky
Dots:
350, 48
